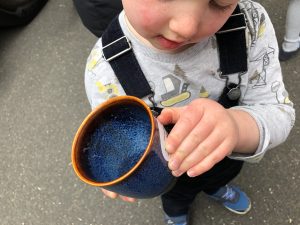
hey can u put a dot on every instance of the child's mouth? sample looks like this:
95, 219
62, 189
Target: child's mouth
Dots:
168, 44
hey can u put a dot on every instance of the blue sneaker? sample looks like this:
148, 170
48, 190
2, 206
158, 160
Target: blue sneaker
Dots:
178, 220
233, 199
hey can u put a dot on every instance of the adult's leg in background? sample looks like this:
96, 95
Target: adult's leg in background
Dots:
291, 39
97, 14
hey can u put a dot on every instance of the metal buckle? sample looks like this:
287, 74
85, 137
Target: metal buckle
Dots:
236, 28
120, 53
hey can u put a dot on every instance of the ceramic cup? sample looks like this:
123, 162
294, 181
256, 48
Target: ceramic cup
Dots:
120, 147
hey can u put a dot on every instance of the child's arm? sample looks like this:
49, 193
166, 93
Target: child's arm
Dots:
204, 133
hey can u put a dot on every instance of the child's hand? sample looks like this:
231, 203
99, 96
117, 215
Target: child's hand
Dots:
115, 195
204, 133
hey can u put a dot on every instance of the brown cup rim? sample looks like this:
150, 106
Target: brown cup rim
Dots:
87, 121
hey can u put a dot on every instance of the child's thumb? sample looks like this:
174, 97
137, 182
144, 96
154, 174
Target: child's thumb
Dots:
170, 115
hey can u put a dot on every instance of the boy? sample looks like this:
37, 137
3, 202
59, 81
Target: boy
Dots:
224, 113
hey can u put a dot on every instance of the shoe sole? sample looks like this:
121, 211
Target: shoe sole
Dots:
238, 212
285, 56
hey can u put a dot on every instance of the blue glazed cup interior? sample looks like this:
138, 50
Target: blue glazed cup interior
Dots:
112, 141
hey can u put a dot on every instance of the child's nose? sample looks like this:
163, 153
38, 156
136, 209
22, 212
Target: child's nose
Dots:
185, 26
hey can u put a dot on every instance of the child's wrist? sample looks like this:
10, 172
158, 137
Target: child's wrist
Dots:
248, 132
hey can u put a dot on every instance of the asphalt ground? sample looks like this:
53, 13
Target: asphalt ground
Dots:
42, 103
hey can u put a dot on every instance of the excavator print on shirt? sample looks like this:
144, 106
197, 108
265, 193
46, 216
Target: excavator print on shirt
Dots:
177, 89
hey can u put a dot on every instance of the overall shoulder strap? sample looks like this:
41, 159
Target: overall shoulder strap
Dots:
232, 44
231, 39
117, 50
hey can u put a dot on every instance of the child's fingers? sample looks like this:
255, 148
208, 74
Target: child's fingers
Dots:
127, 199
114, 195
208, 162
169, 115
196, 140
188, 119
109, 194
205, 148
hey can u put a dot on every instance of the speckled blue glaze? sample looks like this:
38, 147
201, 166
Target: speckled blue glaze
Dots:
151, 179
116, 145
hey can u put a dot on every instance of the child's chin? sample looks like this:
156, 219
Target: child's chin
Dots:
169, 49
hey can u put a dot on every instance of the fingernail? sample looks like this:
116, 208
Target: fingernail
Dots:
191, 173
177, 173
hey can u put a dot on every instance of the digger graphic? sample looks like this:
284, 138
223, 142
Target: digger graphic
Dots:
174, 93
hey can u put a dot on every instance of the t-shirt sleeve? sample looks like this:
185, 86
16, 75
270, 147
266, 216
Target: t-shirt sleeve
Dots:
266, 98
100, 80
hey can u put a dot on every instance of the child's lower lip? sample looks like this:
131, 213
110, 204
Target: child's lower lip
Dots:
168, 44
